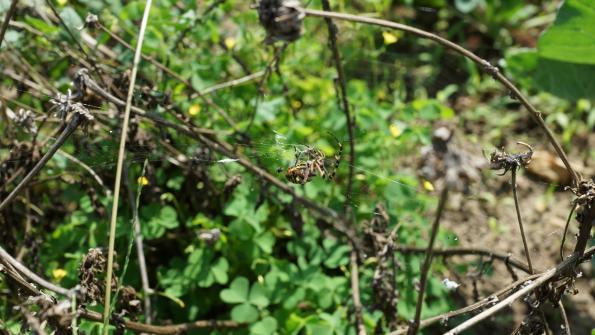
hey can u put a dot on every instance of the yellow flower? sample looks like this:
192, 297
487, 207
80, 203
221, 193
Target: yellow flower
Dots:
142, 180
395, 130
296, 104
58, 274
229, 42
194, 110
62, 2
389, 38
428, 186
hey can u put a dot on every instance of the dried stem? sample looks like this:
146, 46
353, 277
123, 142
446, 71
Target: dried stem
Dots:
357, 303
70, 128
518, 214
121, 153
31, 275
492, 298
566, 231
562, 268
414, 326
140, 250
6, 258
7, 17
461, 251
332, 31
492, 70
564, 318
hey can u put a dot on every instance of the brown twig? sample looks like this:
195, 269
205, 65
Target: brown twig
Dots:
564, 318
32, 275
569, 264
518, 214
492, 70
491, 299
332, 31
459, 251
70, 128
357, 303
414, 326
566, 231
7, 17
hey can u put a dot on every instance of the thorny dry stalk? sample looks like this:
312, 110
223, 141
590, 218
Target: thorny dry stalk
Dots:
121, 153
12, 265
7, 17
414, 325
492, 70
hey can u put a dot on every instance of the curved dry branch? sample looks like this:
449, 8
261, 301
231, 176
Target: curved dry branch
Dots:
492, 70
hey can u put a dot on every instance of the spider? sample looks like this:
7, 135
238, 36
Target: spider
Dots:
312, 162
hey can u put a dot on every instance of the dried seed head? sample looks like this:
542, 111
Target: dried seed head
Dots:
502, 160
91, 277
282, 19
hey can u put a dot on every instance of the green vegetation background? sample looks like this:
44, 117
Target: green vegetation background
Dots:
284, 275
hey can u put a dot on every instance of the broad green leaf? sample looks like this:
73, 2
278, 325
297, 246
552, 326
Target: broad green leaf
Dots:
237, 291
219, 270
266, 326
258, 296
71, 19
244, 313
572, 37
570, 81
266, 241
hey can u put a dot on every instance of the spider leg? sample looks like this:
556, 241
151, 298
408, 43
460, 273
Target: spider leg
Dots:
322, 170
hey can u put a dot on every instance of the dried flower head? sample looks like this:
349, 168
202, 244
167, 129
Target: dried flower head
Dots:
282, 19
91, 277
502, 160
585, 193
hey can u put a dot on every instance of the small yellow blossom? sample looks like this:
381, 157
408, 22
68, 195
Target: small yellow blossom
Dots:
58, 274
194, 109
428, 186
62, 2
389, 38
142, 180
296, 104
229, 42
395, 130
